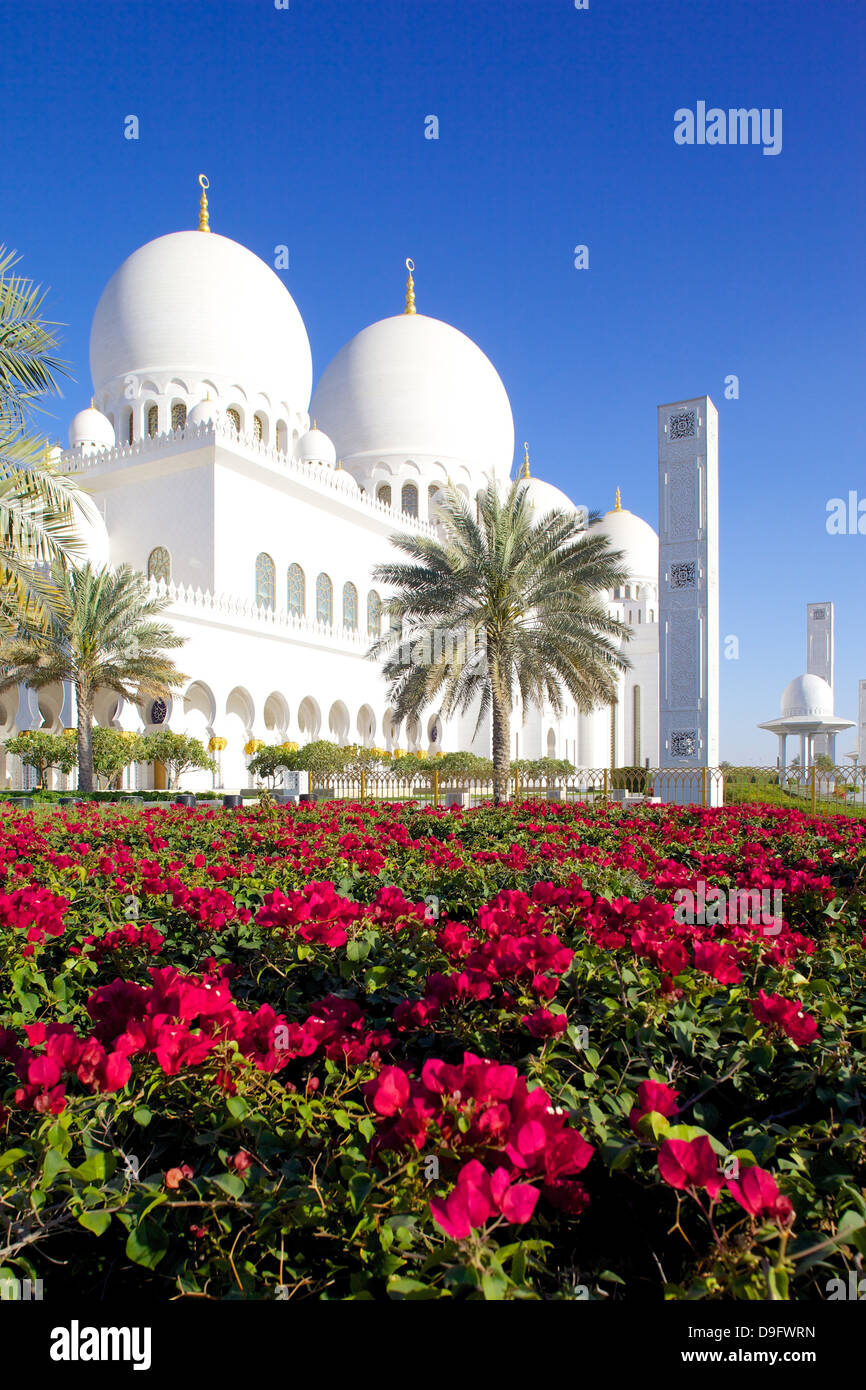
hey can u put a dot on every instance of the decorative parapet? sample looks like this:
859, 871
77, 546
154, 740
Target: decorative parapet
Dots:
185, 601
316, 476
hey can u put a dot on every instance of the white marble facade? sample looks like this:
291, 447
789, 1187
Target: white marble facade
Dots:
263, 511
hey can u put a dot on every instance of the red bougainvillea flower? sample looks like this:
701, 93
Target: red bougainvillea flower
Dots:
787, 1016
690, 1163
757, 1193
477, 1196
240, 1161
389, 1092
653, 1096
543, 1024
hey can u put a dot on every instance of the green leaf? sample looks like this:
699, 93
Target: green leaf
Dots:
237, 1107
96, 1221
96, 1168
147, 1244
231, 1184
11, 1157
360, 1187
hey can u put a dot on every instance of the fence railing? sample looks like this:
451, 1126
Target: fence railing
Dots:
811, 789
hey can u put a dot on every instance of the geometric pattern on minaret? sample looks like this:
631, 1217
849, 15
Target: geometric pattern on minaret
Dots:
688, 457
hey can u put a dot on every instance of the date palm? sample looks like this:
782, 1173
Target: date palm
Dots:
38, 506
524, 596
105, 634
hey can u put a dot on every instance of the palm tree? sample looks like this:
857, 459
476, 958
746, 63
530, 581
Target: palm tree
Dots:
508, 603
37, 506
104, 636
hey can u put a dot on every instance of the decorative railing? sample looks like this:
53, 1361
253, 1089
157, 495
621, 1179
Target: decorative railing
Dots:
184, 600
319, 478
815, 790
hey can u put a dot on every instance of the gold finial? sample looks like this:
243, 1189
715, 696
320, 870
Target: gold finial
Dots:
314, 424
410, 287
47, 451
339, 465
525, 473
618, 506
91, 403
203, 219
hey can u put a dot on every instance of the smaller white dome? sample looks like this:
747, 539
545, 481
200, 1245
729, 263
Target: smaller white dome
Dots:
807, 696
91, 430
344, 480
544, 497
635, 538
205, 413
316, 447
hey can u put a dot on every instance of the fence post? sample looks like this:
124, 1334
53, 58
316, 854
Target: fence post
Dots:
363, 784
435, 786
814, 789
703, 786
607, 784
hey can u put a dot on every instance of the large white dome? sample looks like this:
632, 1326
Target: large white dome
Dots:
635, 538
202, 306
805, 696
412, 387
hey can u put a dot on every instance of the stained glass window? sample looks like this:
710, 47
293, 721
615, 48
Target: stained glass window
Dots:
410, 499
152, 420
296, 591
384, 494
257, 428
178, 415
266, 581
374, 614
234, 416
350, 606
324, 600
159, 564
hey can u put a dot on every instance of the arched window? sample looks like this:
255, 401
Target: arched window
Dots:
296, 591
383, 494
258, 428
178, 415
635, 695
152, 420
651, 616
639, 616
409, 499
324, 600
282, 436
129, 427
234, 418
350, 607
628, 591
159, 564
266, 581
374, 614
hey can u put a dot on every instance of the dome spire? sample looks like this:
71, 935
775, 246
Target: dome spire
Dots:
618, 504
410, 287
203, 219
525, 473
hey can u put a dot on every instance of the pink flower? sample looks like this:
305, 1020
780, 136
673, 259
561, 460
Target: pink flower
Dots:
653, 1096
390, 1090
757, 1193
787, 1015
543, 1024
690, 1163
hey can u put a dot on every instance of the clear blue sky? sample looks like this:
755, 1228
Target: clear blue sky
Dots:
556, 129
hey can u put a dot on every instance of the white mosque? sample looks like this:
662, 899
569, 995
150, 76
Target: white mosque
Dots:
261, 512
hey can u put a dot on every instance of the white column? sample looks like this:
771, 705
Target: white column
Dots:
783, 745
688, 459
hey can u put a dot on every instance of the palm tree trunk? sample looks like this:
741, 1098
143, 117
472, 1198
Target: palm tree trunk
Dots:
501, 746
84, 701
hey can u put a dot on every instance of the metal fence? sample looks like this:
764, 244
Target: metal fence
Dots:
812, 789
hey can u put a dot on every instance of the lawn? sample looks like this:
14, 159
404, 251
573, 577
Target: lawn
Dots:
378, 1051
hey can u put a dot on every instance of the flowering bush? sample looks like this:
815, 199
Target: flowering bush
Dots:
364, 1051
